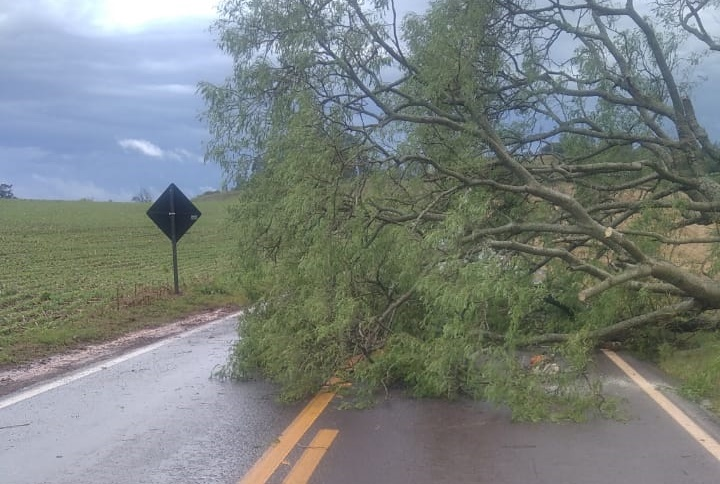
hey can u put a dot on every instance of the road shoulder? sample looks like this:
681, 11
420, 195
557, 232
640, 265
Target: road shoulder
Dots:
18, 377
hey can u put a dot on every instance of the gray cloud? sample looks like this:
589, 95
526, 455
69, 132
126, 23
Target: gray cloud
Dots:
68, 95
73, 189
70, 92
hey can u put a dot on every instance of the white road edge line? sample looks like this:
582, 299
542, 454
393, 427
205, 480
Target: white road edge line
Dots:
51, 385
695, 431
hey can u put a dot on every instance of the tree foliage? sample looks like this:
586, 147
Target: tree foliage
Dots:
6, 191
142, 196
442, 190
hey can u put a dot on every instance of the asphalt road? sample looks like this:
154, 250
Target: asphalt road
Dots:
407, 441
158, 417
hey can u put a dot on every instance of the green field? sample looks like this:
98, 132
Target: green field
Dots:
77, 272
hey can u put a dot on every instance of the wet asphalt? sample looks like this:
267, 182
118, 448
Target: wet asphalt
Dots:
157, 418
409, 441
161, 417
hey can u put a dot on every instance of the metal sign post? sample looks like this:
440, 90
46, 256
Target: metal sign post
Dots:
173, 238
174, 214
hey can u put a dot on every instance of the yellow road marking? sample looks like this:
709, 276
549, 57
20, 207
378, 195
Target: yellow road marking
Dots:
697, 433
274, 456
309, 460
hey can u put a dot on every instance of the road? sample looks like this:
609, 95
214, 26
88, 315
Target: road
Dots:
156, 416
469, 442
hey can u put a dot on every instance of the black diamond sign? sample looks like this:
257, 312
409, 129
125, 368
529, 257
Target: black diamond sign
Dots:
173, 204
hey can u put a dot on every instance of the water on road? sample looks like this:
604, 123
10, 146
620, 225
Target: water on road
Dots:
156, 418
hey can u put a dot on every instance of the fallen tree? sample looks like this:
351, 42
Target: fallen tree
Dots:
439, 191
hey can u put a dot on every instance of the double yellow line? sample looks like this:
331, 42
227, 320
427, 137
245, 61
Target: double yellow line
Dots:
313, 454
309, 460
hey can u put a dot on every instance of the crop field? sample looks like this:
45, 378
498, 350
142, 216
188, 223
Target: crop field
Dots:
76, 272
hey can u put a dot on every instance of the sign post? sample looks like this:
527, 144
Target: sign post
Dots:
173, 238
174, 214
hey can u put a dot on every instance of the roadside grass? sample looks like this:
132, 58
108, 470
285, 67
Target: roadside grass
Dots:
697, 367
79, 272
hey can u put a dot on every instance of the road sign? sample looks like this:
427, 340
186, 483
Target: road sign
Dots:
171, 206
174, 214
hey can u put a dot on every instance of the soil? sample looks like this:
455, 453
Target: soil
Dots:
15, 378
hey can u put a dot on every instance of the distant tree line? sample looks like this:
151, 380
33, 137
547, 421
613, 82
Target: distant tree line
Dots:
143, 196
6, 191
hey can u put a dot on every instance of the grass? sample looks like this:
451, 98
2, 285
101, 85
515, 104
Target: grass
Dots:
697, 367
79, 272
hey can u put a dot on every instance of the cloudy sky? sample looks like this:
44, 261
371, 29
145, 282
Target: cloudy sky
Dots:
98, 97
